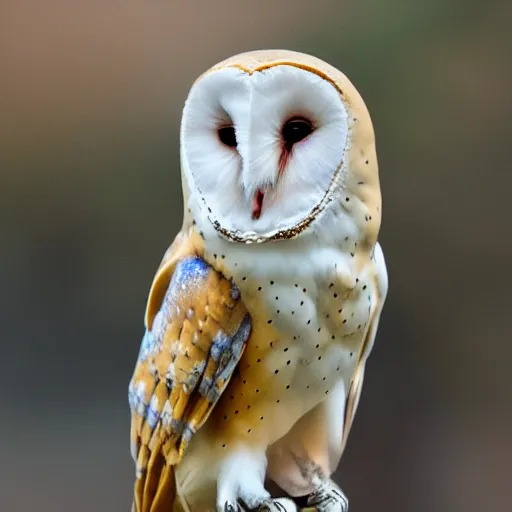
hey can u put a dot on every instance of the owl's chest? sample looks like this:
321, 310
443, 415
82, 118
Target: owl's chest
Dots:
309, 311
318, 327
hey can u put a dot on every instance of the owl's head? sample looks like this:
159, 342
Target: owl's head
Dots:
276, 144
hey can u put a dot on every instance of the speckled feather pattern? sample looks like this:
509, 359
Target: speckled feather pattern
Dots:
310, 331
185, 362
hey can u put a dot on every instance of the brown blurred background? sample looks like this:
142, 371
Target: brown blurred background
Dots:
90, 102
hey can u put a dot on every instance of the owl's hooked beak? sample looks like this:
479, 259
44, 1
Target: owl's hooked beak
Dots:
257, 204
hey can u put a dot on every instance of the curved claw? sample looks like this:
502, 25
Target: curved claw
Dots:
278, 505
232, 507
328, 498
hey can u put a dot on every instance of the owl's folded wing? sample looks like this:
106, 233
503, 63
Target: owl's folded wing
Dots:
188, 354
380, 294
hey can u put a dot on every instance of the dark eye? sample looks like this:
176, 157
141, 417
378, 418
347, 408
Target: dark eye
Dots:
227, 136
295, 130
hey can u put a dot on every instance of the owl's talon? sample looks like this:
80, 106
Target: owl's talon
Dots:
278, 505
232, 507
328, 498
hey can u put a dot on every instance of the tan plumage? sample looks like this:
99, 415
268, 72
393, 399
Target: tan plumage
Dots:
191, 321
313, 294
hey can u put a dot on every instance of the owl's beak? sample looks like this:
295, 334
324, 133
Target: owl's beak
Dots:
257, 204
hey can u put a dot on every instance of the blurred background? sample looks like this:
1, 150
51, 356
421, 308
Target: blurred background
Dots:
90, 103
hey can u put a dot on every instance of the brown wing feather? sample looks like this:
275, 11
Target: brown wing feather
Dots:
187, 357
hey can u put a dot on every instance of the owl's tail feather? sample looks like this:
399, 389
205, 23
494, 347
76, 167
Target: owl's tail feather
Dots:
155, 489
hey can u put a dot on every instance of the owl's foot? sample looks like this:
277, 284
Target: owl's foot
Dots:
278, 505
240, 485
232, 507
328, 498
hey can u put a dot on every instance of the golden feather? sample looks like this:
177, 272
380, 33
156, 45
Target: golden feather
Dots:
188, 355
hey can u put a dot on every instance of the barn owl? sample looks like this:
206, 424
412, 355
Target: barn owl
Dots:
264, 309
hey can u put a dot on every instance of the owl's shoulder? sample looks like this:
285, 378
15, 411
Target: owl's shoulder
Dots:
187, 244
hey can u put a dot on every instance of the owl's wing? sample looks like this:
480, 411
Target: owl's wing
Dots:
190, 349
356, 385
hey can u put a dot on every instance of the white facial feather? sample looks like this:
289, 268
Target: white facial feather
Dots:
224, 180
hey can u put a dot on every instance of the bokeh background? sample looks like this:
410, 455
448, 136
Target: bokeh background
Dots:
90, 103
